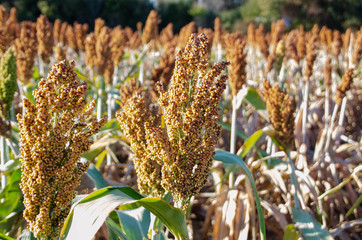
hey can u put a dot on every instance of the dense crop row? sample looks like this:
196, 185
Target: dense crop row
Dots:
282, 109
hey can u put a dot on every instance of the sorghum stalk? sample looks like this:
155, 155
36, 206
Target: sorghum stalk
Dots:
54, 133
237, 77
4, 158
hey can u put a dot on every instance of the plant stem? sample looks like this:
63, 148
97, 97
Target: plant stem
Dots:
99, 101
233, 139
326, 108
3, 147
305, 112
343, 109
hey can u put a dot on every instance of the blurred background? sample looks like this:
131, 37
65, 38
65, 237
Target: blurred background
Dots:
235, 14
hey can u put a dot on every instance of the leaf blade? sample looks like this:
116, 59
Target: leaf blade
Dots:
308, 226
87, 215
234, 159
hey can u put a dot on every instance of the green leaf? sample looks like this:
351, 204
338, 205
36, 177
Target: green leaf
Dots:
10, 196
228, 127
112, 124
98, 147
355, 205
87, 216
10, 166
7, 223
28, 92
135, 222
36, 75
15, 176
4, 237
96, 176
273, 162
342, 184
115, 232
250, 142
81, 75
254, 99
27, 235
10, 202
290, 233
101, 157
227, 157
172, 217
308, 226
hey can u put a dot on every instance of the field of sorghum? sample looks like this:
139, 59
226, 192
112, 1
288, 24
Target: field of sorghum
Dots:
254, 136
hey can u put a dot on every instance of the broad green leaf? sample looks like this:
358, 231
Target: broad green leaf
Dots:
290, 233
115, 232
135, 222
254, 99
112, 235
15, 176
10, 203
96, 176
250, 142
309, 227
227, 157
8, 222
10, 196
87, 216
172, 217
4, 237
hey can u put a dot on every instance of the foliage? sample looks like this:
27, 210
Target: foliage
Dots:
175, 12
